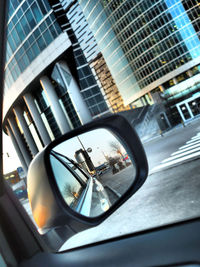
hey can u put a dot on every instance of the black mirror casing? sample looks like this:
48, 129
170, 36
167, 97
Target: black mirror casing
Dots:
48, 206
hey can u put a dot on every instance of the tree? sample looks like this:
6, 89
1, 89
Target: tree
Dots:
116, 147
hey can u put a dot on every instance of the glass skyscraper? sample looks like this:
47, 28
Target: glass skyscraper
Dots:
147, 44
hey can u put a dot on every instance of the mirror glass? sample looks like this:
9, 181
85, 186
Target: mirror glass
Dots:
92, 171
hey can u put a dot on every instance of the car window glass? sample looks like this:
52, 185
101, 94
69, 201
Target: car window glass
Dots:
69, 186
75, 168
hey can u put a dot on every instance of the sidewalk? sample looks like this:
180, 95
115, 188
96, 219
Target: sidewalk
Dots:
148, 139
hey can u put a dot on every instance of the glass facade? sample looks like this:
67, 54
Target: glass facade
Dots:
31, 28
144, 39
70, 111
33, 129
46, 113
89, 88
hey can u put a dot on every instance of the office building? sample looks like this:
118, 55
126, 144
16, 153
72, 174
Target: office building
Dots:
71, 19
152, 50
44, 96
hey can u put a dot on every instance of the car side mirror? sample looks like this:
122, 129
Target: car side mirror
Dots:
84, 176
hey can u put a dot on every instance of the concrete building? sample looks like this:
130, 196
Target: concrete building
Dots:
44, 96
152, 50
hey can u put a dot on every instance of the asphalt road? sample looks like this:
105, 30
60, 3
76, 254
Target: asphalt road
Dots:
120, 181
161, 147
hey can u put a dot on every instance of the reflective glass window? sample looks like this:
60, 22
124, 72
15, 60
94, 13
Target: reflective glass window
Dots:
24, 6
19, 13
25, 25
47, 36
20, 31
43, 26
30, 19
30, 54
36, 33
41, 43
15, 37
37, 13
53, 31
11, 43
35, 49
41, 5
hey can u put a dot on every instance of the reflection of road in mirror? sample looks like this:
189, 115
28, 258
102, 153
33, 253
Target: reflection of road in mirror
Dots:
101, 172
119, 182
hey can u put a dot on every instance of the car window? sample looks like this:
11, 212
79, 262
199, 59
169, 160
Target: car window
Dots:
74, 166
67, 183
140, 59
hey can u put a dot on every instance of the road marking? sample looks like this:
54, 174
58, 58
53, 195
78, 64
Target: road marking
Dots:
195, 137
192, 140
168, 164
185, 149
183, 153
188, 145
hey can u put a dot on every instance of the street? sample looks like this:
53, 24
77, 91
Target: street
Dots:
161, 148
120, 181
170, 194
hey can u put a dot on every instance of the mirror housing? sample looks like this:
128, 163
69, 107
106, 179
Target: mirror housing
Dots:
48, 206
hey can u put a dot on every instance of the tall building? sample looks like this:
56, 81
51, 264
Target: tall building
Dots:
151, 48
71, 19
44, 95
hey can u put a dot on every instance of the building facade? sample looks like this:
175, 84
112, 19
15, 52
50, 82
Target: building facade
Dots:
44, 97
71, 19
150, 47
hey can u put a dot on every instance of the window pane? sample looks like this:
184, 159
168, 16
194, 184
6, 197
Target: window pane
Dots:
68, 185
30, 19
37, 13
41, 43
25, 25
48, 38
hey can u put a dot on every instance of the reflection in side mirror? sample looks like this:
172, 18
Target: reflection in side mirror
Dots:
92, 171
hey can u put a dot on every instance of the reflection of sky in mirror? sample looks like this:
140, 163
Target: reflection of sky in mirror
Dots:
98, 140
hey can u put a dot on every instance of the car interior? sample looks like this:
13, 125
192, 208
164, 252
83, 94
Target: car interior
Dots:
176, 244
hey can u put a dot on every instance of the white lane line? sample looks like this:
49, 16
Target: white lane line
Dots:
185, 149
175, 161
182, 154
188, 145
